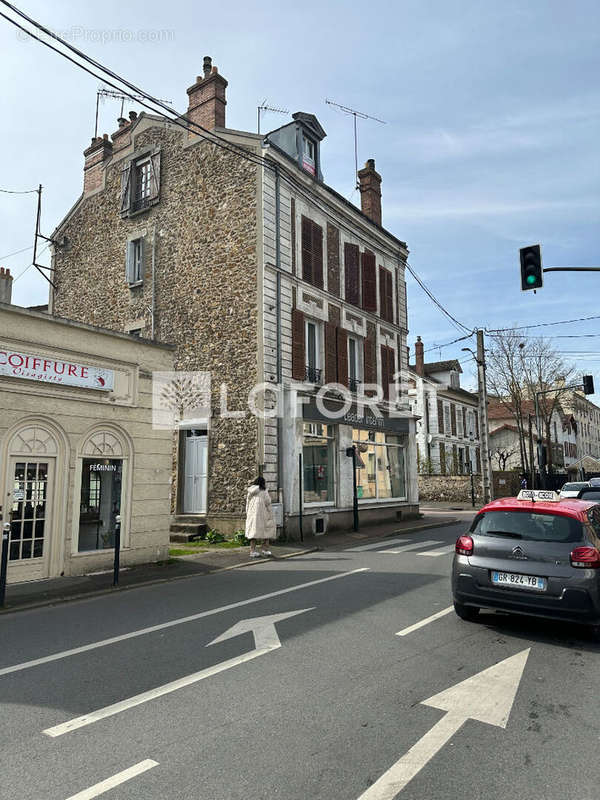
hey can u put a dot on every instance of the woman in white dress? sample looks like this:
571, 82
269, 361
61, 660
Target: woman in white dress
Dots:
260, 523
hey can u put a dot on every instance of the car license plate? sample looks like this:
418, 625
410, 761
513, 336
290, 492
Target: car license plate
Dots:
516, 581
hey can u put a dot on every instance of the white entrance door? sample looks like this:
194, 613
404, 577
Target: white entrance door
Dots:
196, 471
29, 503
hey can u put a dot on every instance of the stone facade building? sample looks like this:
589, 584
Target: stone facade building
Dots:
231, 246
448, 427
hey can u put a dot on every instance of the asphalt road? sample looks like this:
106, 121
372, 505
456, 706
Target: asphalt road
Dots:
316, 704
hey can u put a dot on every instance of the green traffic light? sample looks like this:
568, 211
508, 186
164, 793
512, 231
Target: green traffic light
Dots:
531, 279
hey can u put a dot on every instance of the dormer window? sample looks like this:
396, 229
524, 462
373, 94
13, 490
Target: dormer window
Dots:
454, 380
309, 154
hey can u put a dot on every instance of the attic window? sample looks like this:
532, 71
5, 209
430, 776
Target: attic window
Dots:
454, 380
309, 154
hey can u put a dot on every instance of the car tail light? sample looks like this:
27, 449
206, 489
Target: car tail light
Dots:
585, 558
464, 546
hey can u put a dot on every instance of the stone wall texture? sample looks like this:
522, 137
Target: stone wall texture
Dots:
448, 489
205, 232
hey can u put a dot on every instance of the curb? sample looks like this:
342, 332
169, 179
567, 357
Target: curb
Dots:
154, 582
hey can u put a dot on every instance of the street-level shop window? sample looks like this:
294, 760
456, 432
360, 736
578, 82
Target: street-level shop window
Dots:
100, 502
381, 465
318, 458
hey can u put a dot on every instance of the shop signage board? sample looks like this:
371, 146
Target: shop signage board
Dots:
16, 364
359, 417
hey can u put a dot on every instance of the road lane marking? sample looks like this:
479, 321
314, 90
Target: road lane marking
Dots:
180, 621
486, 697
266, 639
380, 543
426, 621
441, 551
116, 780
413, 546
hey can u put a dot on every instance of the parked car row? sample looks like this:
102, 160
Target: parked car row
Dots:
536, 554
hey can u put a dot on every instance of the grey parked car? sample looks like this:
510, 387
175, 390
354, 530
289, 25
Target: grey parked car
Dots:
533, 556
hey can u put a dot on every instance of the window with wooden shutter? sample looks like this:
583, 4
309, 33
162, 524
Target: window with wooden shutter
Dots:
330, 353
454, 459
387, 370
126, 178
312, 252
465, 431
440, 410
442, 459
370, 356
298, 349
351, 277
386, 295
369, 282
155, 176
476, 422
453, 418
293, 233
342, 356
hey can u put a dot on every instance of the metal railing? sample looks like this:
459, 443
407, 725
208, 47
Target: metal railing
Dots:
312, 374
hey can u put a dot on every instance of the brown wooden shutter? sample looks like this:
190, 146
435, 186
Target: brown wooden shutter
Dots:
126, 182
442, 458
342, 356
333, 260
455, 459
477, 460
330, 353
369, 282
155, 176
465, 431
386, 295
370, 356
440, 416
385, 371
307, 258
453, 418
317, 255
392, 370
298, 346
293, 233
351, 269
476, 419
390, 296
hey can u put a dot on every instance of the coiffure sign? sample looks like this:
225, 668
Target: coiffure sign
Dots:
14, 364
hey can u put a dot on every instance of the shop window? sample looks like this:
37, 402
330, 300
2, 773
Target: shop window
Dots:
100, 502
318, 456
381, 468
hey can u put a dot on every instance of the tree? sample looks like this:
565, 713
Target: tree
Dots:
502, 454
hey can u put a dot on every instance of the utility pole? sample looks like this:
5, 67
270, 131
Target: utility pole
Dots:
531, 461
486, 469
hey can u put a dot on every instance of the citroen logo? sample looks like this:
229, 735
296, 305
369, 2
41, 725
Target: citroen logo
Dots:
518, 552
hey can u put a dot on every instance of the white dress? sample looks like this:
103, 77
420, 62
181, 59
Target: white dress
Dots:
260, 523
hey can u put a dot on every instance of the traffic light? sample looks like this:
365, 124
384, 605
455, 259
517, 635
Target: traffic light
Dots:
588, 384
532, 276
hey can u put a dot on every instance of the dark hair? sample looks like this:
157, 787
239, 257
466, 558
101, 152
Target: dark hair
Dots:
260, 482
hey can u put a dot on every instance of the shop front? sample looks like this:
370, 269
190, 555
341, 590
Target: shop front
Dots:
319, 479
77, 447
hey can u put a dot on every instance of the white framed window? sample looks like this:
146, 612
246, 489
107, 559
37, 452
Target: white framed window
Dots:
319, 462
354, 363
309, 154
459, 421
140, 183
313, 339
447, 420
134, 261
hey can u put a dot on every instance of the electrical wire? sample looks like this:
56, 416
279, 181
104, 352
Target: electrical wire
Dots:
436, 301
447, 344
16, 252
24, 191
493, 331
20, 275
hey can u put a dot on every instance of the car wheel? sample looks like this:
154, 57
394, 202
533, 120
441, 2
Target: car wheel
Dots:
469, 613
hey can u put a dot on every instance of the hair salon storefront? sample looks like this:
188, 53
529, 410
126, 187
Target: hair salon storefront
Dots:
77, 447
320, 480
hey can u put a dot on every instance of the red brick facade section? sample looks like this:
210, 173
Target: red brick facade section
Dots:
206, 104
370, 191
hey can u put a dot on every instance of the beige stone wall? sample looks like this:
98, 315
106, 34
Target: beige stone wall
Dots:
204, 230
448, 489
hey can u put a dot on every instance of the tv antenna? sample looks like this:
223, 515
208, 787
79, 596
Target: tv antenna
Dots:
360, 115
264, 107
102, 93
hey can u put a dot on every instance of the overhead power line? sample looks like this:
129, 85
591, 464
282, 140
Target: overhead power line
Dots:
432, 297
16, 252
15, 191
492, 331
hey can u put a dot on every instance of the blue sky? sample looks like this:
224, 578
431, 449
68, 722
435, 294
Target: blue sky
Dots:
492, 114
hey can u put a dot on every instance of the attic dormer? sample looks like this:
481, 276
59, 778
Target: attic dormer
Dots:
301, 141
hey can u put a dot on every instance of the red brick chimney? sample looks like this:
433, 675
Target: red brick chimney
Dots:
370, 191
206, 105
96, 155
6, 280
419, 360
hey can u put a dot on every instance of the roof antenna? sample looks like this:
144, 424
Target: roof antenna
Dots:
102, 93
355, 114
264, 107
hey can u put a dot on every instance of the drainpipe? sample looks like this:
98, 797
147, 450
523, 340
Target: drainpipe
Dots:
278, 327
153, 307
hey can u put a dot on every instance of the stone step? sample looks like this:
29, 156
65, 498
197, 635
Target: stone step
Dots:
187, 531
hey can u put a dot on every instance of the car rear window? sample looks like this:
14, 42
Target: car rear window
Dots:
528, 525
593, 494
573, 487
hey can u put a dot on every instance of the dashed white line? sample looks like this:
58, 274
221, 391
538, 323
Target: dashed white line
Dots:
116, 780
426, 621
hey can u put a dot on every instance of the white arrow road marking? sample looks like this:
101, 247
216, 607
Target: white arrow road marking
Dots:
110, 783
426, 621
413, 546
440, 551
487, 697
153, 628
266, 640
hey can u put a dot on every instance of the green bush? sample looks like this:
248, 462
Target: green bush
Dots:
240, 538
214, 537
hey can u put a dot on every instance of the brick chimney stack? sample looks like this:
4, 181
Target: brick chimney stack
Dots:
6, 280
370, 191
206, 104
419, 360
95, 156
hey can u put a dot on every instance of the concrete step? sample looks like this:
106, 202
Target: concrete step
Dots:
187, 531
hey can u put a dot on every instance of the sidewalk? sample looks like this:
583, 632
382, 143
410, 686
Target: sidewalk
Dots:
33, 594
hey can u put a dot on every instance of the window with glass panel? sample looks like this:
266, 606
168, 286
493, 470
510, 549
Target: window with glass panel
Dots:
28, 510
318, 458
313, 352
381, 465
100, 502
